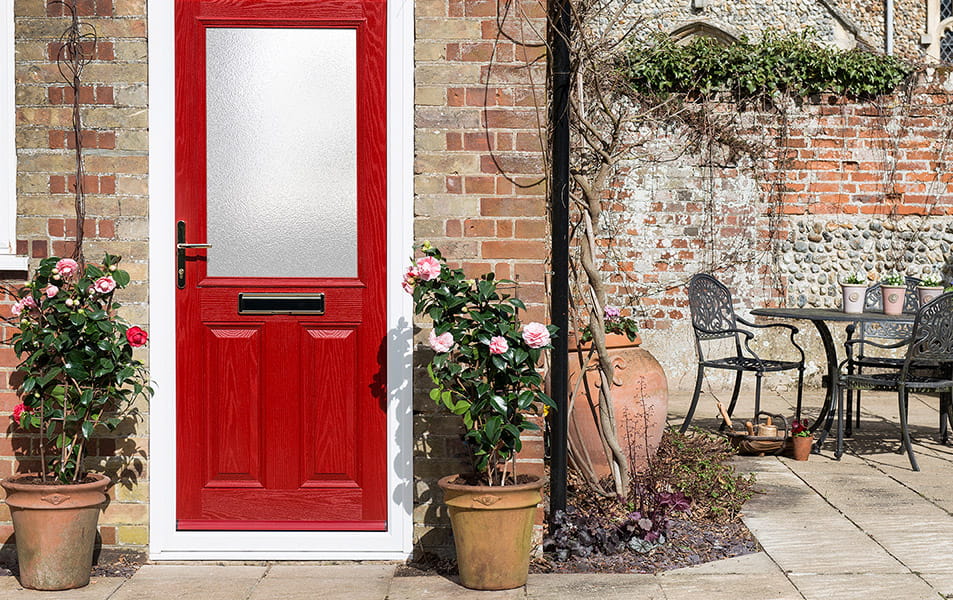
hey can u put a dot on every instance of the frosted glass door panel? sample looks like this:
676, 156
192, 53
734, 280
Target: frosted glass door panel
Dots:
281, 123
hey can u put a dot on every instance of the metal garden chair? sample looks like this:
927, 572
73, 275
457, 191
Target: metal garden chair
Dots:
930, 345
714, 318
873, 301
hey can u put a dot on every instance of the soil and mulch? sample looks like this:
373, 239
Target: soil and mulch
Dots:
684, 510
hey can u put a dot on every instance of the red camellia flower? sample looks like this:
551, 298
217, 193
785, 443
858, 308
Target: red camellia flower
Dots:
137, 336
18, 411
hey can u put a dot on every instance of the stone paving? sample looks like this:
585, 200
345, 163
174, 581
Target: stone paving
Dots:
865, 527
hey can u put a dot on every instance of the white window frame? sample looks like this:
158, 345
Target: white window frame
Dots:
167, 543
936, 29
9, 261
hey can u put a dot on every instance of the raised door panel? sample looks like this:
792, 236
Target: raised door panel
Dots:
232, 407
329, 406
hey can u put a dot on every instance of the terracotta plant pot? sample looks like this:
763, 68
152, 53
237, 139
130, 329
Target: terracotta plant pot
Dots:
928, 293
492, 531
639, 401
55, 529
893, 299
853, 298
801, 447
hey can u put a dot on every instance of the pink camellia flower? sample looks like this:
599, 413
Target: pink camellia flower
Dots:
612, 313
428, 268
51, 291
535, 335
410, 278
440, 343
22, 303
498, 345
18, 411
104, 285
67, 267
137, 336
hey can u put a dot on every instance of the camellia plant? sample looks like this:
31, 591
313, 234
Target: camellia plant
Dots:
79, 374
484, 364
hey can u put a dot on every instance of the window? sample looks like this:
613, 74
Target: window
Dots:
939, 36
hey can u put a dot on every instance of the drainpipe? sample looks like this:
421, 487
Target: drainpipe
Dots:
889, 26
559, 31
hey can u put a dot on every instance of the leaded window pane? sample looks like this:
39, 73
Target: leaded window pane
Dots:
946, 47
946, 9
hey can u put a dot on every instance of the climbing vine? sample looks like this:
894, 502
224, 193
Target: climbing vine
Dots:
787, 64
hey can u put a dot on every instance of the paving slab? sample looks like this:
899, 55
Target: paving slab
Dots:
729, 587
864, 586
757, 563
161, 582
328, 582
441, 588
99, 588
555, 586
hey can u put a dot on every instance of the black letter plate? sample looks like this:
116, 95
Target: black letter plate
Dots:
281, 304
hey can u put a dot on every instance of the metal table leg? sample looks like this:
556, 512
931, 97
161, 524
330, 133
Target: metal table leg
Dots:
826, 415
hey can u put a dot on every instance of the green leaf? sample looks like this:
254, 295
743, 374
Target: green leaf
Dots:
121, 277
498, 403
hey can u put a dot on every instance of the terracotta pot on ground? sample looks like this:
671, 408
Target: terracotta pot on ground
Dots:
492, 531
927, 293
639, 400
853, 298
55, 529
893, 299
801, 447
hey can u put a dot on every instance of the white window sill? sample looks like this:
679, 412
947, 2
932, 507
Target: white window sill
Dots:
12, 262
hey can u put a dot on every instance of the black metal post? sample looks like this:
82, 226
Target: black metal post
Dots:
559, 32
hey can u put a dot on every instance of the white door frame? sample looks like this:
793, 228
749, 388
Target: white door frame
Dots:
165, 543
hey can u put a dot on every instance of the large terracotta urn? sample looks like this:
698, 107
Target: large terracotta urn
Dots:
639, 401
55, 529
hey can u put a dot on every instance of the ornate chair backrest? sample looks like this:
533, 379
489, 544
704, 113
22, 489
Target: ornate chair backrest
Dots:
711, 308
933, 332
888, 330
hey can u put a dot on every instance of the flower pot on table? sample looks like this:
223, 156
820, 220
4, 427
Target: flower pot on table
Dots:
55, 529
853, 295
893, 297
492, 530
928, 293
639, 401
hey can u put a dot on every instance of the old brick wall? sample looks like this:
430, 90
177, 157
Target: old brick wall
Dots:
866, 187
479, 173
115, 139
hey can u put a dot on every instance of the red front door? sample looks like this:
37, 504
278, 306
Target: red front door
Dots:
280, 347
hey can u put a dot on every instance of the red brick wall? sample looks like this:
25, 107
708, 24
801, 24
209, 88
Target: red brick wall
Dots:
115, 141
848, 179
479, 193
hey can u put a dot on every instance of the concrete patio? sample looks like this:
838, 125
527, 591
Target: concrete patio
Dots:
865, 527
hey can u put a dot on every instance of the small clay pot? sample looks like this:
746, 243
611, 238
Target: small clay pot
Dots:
55, 529
801, 447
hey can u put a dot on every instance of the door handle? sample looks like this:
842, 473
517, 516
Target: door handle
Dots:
180, 248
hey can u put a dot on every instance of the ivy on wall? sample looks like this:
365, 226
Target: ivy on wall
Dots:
787, 64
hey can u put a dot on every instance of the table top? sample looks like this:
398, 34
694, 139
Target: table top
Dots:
831, 314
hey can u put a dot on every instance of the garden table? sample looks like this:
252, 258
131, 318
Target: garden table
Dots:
820, 317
